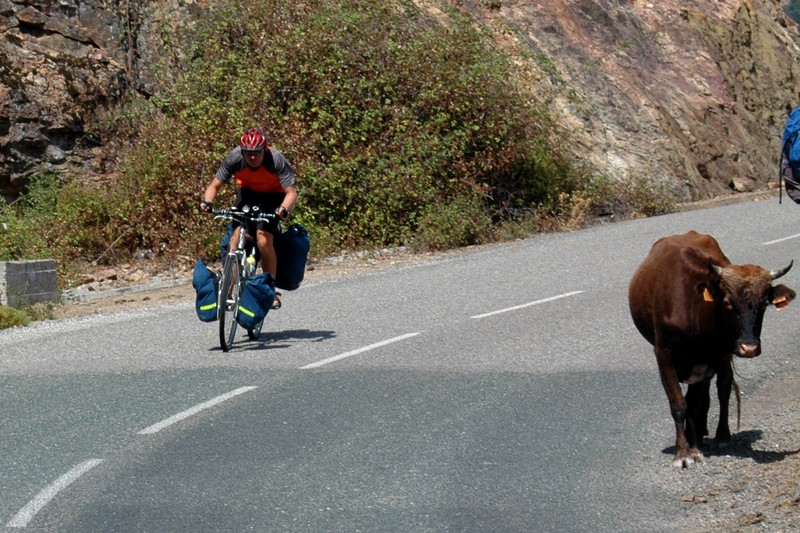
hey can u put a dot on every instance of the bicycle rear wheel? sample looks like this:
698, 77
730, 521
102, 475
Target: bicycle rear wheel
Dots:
228, 301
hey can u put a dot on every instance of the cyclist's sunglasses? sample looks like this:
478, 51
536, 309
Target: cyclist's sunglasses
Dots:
251, 152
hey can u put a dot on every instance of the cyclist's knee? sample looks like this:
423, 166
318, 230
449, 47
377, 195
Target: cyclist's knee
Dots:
264, 238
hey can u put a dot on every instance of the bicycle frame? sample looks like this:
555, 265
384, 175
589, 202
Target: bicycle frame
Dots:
235, 274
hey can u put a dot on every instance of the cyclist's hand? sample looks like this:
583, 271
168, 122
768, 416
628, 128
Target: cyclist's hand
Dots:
205, 207
282, 213
271, 224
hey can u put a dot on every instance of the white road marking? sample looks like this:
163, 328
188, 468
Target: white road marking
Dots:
27, 513
529, 304
790, 237
155, 428
358, 351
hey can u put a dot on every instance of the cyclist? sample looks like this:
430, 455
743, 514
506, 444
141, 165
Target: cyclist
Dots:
263, 178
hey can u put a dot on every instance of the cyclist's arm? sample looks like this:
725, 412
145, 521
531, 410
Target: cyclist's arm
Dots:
289, 200
211, 192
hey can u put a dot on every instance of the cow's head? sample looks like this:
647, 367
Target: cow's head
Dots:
743, 293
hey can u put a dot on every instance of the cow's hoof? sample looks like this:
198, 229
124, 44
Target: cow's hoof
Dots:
688, 460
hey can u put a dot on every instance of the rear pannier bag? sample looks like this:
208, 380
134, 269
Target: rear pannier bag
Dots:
205, 285
256, 301
291, 249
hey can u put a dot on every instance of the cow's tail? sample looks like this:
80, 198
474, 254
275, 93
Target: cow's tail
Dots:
738, 403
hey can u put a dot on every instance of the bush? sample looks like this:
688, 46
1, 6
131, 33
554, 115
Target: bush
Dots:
403, 129
638, 196
382, 111
58, 218
461, 222
10, 317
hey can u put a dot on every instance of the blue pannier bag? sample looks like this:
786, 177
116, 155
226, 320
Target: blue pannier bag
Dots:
291, 248
256, 301
789, 172
205, 285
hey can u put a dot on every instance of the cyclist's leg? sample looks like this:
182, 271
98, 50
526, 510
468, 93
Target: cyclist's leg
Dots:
234, 237
269, 261
268, 202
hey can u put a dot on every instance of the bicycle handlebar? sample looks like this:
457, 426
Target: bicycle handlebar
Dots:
242, 216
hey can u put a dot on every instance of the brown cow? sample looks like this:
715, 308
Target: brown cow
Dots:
697, 310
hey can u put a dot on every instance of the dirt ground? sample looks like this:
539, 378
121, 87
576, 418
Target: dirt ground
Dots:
751, 486
107, 290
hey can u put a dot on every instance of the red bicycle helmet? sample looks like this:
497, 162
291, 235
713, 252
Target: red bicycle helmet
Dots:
253, 140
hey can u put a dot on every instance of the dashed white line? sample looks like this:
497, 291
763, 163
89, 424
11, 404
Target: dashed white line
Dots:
27, 513
358, 351
529, 304
776, 241
155, 428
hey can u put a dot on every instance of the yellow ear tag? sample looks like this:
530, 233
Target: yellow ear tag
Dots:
707, 295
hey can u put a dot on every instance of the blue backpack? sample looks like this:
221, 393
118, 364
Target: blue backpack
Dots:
790, 157
205, 285
291, 249
256, 300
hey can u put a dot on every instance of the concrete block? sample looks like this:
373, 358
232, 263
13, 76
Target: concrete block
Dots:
27, 282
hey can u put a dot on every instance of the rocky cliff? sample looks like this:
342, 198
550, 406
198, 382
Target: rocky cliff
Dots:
60, 63
692, 94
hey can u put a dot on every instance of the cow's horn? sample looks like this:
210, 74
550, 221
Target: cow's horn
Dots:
778, 273
715, 269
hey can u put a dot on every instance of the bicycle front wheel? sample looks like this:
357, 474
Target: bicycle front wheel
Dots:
228, 301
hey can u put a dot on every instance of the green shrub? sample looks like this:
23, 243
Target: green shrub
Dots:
57, 218
382, 111
10, 317
638, 196
403, 129
461, 222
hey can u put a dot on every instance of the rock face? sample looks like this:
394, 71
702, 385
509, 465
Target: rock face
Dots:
693, 94
60, 63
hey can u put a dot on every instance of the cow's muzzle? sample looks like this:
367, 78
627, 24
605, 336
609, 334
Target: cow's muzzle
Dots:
748, 349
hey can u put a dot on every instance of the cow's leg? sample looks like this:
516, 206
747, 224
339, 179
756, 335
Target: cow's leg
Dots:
698, 402
685, 455
724, 384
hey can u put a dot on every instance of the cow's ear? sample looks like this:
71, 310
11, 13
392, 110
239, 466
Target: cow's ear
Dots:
780, 296
706, 291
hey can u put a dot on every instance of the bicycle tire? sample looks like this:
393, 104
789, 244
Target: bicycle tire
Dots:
228, 301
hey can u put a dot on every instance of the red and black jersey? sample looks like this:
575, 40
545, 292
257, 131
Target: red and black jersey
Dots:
273, 176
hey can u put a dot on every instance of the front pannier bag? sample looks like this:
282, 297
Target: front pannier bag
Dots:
205, 285
256, 300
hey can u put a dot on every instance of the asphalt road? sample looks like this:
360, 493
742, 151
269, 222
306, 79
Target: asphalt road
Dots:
500, 389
